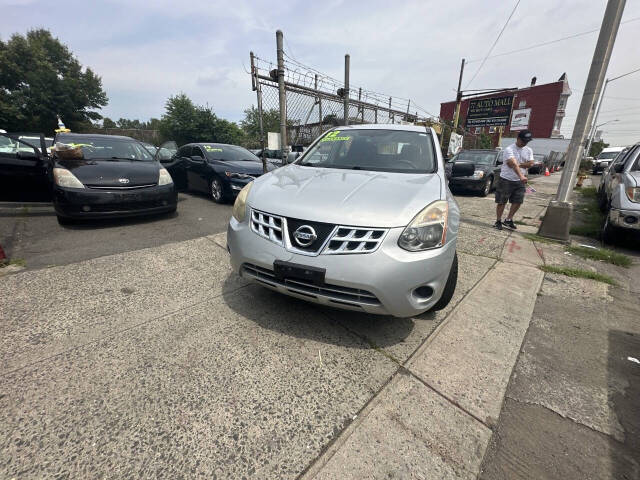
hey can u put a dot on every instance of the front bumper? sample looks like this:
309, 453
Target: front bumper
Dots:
381, 282
93, 203
468, 182
629, 219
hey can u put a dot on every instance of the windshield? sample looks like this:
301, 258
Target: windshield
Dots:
94, 148
228, 153
378, 150
476, 157
607, 155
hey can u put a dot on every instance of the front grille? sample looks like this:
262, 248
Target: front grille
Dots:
322, 231
354, 240
267, 226
119, 187
354, 297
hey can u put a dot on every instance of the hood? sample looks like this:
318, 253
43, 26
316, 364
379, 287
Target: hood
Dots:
107, 173
246, 166
345, 197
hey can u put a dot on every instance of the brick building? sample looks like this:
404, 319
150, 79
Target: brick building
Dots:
540, 108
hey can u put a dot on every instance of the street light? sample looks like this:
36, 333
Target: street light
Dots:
593, 133
601, 100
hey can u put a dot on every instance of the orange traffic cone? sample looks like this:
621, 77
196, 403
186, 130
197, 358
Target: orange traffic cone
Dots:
546, 172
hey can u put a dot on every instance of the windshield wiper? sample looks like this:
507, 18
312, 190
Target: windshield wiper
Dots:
118, 158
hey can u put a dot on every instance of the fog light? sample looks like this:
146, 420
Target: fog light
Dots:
86, 208
423, 293
630, 219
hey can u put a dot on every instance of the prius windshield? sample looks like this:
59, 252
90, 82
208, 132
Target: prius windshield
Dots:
377, 150
485, 158
105, 148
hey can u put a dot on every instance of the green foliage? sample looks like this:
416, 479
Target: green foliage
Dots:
485, 141
251, 124
601, 254
588, 219
39, 79
596, 148
578, 273
186, 122
108, 123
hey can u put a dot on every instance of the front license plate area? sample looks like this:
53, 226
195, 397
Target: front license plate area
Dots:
294, 271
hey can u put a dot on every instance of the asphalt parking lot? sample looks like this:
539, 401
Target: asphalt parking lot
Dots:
30, 231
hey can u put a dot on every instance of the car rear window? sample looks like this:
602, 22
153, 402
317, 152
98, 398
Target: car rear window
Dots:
377, 150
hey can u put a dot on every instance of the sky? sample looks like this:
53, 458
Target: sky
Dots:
148, 51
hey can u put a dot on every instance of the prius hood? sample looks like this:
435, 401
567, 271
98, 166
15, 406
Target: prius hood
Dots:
108, 173
345, 197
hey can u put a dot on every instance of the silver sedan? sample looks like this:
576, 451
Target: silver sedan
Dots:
363, 220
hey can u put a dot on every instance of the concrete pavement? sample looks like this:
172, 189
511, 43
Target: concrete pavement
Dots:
160, 363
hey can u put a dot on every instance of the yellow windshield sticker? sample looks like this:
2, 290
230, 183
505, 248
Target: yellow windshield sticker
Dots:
334, 137
209, 148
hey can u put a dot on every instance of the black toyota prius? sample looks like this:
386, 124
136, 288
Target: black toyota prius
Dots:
98, 176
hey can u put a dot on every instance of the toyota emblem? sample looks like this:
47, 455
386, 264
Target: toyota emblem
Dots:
123, 180
305, 235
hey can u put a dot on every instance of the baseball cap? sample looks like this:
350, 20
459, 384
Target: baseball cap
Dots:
525, 136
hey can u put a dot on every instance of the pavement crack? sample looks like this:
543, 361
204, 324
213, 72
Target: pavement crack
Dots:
572, 420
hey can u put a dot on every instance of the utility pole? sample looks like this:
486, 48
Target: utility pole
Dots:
557, 220
282, 98
456, 115
319, 100
255, 83
346, 89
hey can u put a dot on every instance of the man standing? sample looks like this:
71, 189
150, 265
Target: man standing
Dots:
516, 158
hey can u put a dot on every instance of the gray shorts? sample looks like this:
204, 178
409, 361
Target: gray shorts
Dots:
509, 191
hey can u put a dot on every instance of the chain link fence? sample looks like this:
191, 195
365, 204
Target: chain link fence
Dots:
315, 103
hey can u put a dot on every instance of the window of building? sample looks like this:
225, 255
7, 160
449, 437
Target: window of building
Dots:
522, 104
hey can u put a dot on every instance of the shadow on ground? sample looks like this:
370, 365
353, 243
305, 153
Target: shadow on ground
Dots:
300, 319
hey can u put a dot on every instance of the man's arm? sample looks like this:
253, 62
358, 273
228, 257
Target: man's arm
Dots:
513, 164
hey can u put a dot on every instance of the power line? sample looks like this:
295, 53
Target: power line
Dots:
494, 44
550, 42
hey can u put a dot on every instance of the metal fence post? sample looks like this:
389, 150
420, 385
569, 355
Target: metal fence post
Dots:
319, 100
391, 116
255, 84
282, 98
375, 115
346, 89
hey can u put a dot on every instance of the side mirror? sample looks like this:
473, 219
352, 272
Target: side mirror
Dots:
27, 155
499, 161
619, 167
463, 169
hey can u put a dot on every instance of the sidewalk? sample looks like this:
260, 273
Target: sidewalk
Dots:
459, 409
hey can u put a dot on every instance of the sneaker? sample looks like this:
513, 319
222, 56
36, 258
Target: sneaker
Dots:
510, 224
498, 225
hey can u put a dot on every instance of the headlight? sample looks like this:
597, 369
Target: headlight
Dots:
64, 178
633, 193
165, 177
428, 229
240, 206
243, 176
478, 174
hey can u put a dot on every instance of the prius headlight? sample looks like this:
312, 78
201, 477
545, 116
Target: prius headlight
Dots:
165, 177
478, 174
428, 229
240, 206
64, 178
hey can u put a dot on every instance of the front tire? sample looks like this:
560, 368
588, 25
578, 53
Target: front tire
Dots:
449, 288
486, 189
216, 190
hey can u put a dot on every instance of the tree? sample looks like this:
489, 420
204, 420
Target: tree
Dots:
251, 124
39, 79
596, 148
485, 141
108, 123
186, 122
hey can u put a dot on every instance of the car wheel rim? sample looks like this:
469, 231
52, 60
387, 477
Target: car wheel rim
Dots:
216, 190
487, 187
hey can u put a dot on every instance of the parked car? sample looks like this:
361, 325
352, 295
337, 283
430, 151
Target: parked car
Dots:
604, 158
538, 163
619, 194
487, 168
23, 168
363, 221
108, 176
217, 169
